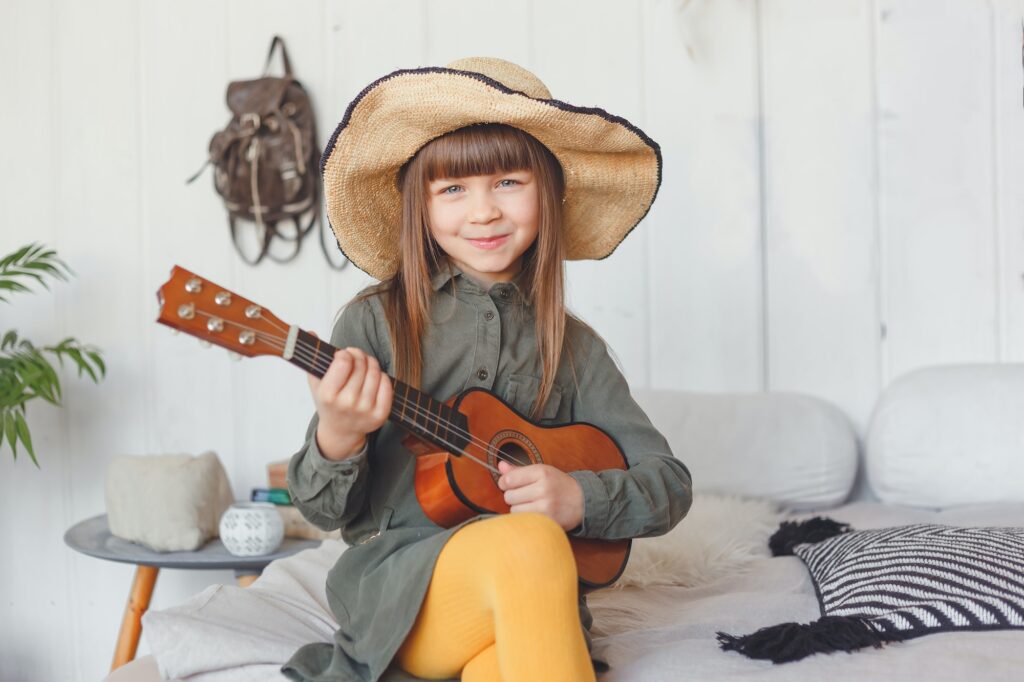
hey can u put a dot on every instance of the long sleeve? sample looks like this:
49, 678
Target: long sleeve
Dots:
654, 493
332, 493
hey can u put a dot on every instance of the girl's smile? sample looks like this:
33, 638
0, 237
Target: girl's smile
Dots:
485, 222
489, 243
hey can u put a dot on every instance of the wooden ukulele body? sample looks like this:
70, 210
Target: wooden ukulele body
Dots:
451, 488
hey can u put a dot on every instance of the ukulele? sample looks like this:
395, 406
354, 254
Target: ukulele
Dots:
457, 444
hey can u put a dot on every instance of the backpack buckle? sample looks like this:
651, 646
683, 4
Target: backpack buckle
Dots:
250, 118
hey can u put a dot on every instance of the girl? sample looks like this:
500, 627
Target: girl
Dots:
463, 189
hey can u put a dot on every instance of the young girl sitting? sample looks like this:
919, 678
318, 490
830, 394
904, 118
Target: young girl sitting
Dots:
464, 189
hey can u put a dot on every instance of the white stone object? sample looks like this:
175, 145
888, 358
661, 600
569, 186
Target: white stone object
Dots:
251, 528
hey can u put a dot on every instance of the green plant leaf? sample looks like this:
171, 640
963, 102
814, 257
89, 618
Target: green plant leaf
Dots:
25, 436
25, 371
95, 355
31, 261
10, 428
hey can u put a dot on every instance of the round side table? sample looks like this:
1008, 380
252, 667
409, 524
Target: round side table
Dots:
92, 537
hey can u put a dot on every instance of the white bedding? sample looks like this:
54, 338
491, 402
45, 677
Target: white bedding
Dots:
675, 639
678, 641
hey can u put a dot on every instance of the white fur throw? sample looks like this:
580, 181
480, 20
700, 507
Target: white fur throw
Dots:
718, 537
167, 502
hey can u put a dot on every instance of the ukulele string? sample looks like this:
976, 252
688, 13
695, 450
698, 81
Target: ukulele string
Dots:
429, 418
314, 359
322, 362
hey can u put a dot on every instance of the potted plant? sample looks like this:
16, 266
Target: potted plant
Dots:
25, 371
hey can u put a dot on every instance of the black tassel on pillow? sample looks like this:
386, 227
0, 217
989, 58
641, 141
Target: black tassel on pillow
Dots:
792, 641
792, 533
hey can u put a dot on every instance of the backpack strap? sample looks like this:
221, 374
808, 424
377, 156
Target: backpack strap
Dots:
297, 239
267, 236
278, 40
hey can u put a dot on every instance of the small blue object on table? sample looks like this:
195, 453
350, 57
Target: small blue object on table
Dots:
93, 537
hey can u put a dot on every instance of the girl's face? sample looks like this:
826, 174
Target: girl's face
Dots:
485, 222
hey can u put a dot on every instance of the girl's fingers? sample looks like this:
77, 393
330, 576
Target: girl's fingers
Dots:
336, 375
370, 384
385, 394
353, 387
523, 495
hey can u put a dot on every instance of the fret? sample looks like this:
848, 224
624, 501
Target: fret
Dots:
307, 350
419, 411
437, 414
445, 422
405, 401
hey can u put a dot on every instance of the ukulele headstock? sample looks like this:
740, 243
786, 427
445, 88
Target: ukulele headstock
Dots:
212, 313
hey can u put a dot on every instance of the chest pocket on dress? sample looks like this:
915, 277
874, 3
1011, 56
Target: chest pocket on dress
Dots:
522, 391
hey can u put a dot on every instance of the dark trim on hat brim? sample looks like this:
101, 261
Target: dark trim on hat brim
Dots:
498, 85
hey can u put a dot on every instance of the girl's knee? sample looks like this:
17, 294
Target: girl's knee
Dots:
529, 541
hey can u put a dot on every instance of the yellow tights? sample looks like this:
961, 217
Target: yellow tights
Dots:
501, 607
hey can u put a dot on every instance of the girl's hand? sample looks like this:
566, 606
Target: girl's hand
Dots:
545, 489
352, 399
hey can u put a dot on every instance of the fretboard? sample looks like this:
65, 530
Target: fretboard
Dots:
429, 419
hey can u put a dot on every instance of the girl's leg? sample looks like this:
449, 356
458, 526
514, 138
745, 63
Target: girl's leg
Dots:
509, 582
483, 667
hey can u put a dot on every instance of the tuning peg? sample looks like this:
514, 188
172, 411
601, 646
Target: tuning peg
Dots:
175, 331
234, 356
204, 343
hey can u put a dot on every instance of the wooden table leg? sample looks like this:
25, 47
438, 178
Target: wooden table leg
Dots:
131, 625
246, 580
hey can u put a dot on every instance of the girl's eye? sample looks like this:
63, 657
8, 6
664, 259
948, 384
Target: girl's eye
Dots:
445, 190
511, 180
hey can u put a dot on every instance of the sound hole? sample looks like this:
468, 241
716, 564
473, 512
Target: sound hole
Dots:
513, 447
515, 454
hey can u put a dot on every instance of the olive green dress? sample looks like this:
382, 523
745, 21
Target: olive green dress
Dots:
479, 337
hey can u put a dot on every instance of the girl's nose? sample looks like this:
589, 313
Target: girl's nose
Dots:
483, 209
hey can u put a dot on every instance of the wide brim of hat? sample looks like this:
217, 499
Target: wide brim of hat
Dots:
612, 169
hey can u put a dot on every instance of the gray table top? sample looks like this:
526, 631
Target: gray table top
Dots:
93, 537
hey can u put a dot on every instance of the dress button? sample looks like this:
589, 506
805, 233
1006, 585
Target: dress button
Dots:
504, 293
488, 315
482, 374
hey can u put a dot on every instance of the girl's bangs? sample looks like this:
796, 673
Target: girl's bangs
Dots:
480, 149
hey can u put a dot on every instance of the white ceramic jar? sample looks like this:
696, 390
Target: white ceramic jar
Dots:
251, 528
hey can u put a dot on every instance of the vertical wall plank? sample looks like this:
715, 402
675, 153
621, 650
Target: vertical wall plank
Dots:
1008, 144
701, 75
98, 185
452, 32
604, 70
182, 64
359, 52
26, 192
820, 284
936, 180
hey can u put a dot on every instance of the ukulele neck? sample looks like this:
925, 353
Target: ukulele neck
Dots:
428, 419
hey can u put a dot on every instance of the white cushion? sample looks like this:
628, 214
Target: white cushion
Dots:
795, 449
167, 502
949, 435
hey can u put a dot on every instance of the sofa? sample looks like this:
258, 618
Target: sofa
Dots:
944, 445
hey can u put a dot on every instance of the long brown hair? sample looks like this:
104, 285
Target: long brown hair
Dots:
479, 149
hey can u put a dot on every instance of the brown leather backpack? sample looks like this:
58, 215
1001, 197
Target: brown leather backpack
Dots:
267, 162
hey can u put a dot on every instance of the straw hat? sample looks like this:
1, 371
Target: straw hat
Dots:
612, 169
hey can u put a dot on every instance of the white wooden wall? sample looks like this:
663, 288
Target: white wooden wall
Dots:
842, 203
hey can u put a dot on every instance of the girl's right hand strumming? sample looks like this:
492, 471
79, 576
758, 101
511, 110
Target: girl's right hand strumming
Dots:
352, 399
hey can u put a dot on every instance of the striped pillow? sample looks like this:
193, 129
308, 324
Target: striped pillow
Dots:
891, 584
